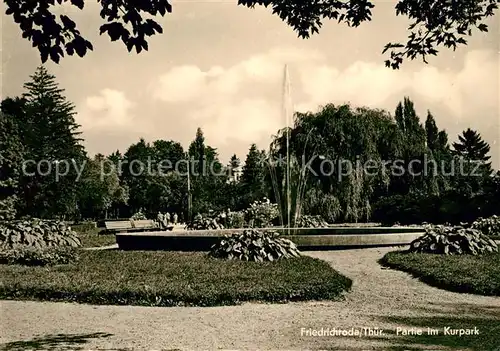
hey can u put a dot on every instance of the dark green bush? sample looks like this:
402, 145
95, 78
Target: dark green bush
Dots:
204, 222
36, 233
261, 214
307, 221
30, 256
234, 220
488, 226
255, 245
440, 239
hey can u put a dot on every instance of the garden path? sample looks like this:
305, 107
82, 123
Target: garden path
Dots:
381, 298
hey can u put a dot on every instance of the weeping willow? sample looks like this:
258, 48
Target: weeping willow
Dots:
337, 133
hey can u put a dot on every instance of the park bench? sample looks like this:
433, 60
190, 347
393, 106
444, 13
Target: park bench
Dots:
117, 226
144, 225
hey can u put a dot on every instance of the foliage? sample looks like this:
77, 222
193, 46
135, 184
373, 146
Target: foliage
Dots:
223, 220
161, 189
432, 24
209, 178
253, 175
458, 240
100, 188
308, 221
50, 138
472, 153
201, 222
471, 146
254, 245
37, 233
40, 126
31, 256
234, 220
488, 226
11, 152
138, 216
459, 273
173, 279
261, 214
406, 209
343, 137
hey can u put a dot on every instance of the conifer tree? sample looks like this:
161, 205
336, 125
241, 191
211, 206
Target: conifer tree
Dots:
253, 174
472, 147
51, 137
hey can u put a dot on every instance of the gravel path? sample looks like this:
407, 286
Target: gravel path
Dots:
379, 297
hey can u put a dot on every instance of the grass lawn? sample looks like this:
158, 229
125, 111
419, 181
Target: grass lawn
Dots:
92, 238
459, 273
159, 278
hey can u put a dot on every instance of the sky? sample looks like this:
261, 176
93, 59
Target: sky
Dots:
220, 67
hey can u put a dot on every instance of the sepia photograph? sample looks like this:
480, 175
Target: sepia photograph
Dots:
250, 175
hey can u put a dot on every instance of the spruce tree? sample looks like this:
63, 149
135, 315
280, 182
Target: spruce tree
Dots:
475, 172
472, 147
50, 135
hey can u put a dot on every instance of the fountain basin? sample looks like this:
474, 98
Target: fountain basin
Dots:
304, 238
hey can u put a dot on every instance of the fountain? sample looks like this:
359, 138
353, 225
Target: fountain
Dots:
290, 191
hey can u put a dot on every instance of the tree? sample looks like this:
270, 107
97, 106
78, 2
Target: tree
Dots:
472, 147
50, 136
11, 150
438, 151
474, 174
234, 166
432, 23
412, 139
100, 188
432, 131
334, 144
253, 175
196, 152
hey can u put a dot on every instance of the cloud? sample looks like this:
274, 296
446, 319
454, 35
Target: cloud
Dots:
240, 102
110, 109
370, 84
243, 101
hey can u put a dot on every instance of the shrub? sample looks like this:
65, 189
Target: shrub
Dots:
201, 222
138, 216
30, 256
234, 220
307, 221
254, 245
261, 214
488, 226
447, 240
37, 233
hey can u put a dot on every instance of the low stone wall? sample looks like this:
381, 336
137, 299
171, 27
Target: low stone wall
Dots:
304, 238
